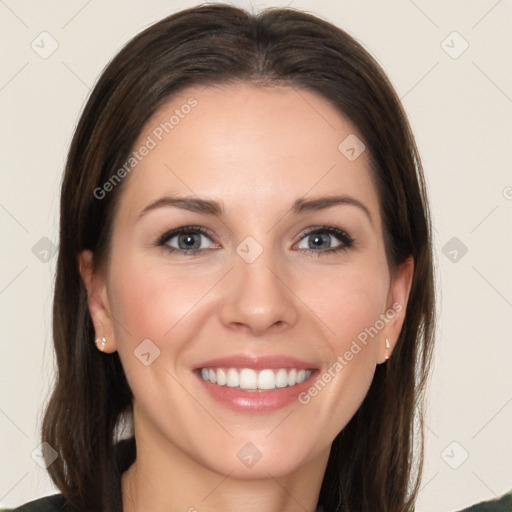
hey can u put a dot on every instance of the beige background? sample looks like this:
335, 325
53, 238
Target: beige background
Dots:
460, 109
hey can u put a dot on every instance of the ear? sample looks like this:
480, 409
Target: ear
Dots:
396, 308
97, 300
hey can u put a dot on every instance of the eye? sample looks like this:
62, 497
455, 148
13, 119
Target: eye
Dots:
188, 240
322, 237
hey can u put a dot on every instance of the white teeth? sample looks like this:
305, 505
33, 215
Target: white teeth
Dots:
247, 378
281, 378
266, 379
301, 376
233, 380
221, 377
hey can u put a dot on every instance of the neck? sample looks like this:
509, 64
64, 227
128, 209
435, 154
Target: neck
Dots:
165, 478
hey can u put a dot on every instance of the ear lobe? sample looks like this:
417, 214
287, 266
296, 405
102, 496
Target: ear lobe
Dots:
396, 308
97, 300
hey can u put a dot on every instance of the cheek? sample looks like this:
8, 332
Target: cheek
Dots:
350, 304
152, 303
149, 300
351, 312
349, 301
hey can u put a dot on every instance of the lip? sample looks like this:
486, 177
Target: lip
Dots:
256, 362
256, 401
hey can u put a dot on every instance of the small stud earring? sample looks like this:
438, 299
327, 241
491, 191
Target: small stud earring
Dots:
103, 342
388, 346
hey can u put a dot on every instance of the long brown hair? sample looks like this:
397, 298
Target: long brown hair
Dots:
376, 460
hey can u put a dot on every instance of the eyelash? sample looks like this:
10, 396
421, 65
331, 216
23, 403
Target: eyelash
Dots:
346, 240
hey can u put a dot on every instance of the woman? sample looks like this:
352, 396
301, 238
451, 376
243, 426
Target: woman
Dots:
245, 279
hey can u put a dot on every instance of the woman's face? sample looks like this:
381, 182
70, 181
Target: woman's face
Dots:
281, 288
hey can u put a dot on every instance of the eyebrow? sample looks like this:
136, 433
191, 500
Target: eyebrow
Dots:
211, 207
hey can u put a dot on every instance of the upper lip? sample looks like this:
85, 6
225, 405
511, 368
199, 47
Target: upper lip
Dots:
256, 362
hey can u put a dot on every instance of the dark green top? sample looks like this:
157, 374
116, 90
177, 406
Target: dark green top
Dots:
126, 453
49, 504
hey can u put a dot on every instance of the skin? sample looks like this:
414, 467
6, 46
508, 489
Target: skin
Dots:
257, 150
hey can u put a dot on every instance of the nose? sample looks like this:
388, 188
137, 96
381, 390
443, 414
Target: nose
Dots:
256, 297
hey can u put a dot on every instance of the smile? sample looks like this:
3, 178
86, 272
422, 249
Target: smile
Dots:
255, 380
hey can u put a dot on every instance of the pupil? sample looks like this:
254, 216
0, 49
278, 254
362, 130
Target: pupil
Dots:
188, 240
318, 240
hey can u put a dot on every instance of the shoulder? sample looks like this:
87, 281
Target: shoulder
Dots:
125, 453
503, 504
54, 503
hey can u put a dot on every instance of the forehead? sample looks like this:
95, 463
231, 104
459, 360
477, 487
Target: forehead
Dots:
239, 142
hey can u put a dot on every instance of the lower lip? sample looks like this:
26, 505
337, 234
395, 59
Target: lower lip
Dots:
252, 401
